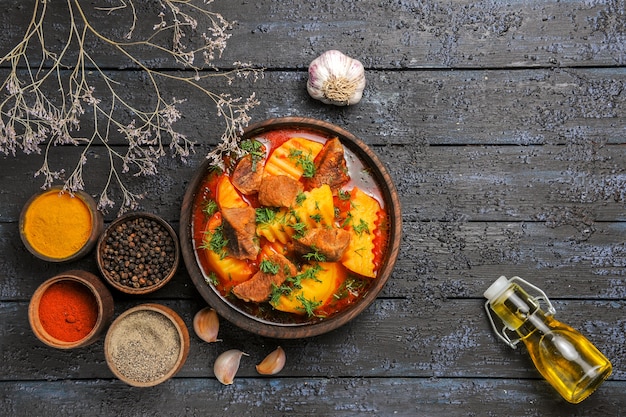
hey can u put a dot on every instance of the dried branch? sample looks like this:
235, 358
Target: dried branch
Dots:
33, 122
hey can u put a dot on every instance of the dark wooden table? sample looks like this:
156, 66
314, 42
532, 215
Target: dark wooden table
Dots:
503, 125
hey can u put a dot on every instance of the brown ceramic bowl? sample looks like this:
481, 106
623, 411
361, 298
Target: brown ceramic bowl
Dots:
146, 345
158, 247
41, 247
53, 310
237, 312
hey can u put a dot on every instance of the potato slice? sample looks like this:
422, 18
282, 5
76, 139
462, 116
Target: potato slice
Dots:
289, 158
317, 209
227, 195
359, 257
314, 291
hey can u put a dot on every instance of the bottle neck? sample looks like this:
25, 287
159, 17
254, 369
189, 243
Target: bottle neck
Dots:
519, 311
537, 323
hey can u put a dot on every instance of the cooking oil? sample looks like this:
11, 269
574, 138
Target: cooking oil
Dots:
563, 356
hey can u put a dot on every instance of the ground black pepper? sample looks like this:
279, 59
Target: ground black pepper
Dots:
138, 253
144, 346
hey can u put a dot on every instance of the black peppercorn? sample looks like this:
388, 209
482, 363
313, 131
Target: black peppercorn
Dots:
138, 253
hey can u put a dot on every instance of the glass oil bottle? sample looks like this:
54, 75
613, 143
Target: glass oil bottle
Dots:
563, 356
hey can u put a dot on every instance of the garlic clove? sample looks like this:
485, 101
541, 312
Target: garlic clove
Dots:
226, 366
206, 324
273, 363
335, 78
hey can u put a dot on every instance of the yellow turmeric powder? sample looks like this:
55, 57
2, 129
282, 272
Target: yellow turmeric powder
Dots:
57, 225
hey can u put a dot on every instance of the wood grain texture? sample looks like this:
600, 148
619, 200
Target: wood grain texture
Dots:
579, 109
503, 127
405, 397
382, 34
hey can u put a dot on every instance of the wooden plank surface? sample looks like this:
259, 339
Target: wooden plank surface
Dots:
383, 34
578, 109
503, 126
405, 397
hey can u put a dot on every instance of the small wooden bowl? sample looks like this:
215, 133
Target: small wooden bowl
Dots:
154, 275
248, 321
97, 225
146, 345
41, 320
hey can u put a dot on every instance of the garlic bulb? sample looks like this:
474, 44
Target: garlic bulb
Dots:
335, 78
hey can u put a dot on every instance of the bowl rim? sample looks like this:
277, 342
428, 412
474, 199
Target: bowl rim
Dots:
97, 224
296, 331
100, 293
181, 330
141, 290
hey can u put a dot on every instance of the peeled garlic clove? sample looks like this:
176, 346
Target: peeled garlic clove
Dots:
273, 363
226, 366
335, 78
206, 324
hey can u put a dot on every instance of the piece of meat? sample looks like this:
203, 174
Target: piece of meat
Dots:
278, 191
259, 288
240, 230
329, 243
330, 167
247, 176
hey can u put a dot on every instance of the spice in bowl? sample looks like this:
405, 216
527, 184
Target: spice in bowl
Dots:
70, 310
138, 253
58, 226
146, 345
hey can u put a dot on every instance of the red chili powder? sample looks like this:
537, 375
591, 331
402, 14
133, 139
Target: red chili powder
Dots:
68, 311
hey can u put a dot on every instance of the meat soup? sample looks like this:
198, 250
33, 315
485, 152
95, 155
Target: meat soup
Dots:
292, 232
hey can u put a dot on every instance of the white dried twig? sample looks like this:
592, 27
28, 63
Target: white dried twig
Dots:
32, 121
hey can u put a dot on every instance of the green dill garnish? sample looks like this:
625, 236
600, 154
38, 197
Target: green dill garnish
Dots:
265, 215
309, 273
361, 227
347, 220
299, 228
343, 195
308, 306
254, 149
300, 198
297, 225
210, 207
278, 292
269, 267
216, 242
303, 161
352, 285
215, 170
314, 256
212, 279
316, 217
